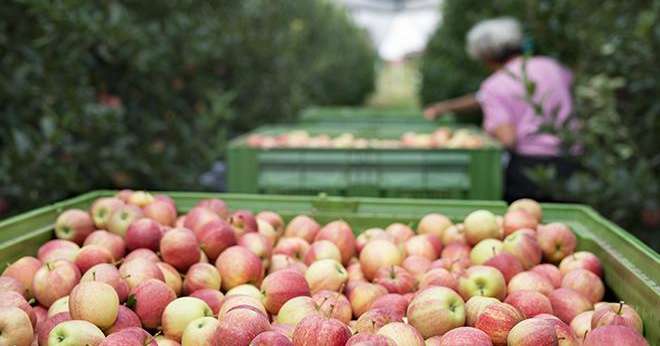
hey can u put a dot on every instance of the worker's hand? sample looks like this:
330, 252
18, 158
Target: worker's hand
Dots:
437, 110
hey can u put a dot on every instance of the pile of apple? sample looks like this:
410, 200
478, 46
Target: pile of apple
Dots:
131, 271
442, 137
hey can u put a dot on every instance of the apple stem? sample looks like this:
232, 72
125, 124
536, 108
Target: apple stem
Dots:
585, 335
620, 308
49, 266
94, 276
341, 289
392, 274
32, 301
494, 252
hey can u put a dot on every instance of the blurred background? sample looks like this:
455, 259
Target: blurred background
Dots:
134, 94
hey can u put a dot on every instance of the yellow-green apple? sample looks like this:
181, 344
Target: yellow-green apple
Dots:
13, 299
524, 247
482, 281
614, 335
15, 327
556, 240
96, 302
371, 234
60, 305
368, 339
214, 237
281, 261
326, 274
403, 334
581, 324
322, 249
271, 338
292, 246
363, 295
149, 299
302, 226
420, 245
198, 217
550, 271
200, 332
518, 219
295, 309
377, 254
240, 325
143, 233
530, 280
617, 313
108, 273
8, 283
133, 336
91, 255
434, 224
44, 328
138, 270
274, 219
400, 232
259, 245
160, 211
334, 305
581, 260
165, 341
436, 310
320, 330
464, 336
247, 290
530, 303
566, 304
54, 280
485, 250
480, 225
110, 241
341, 234
58, 249
497, 320
180, 312
438, 277
126, 318
102, 208
23, 270
280, 286
395, 279
74, 225
475, 306
218, 206
454, 234
201, 275
506, 263
213, 298
374, 319
243, 222
533, 332
75, 333
237, 265
415, 265
140, 198
532, 207
171, 277
122, 218
179, 248
586, 283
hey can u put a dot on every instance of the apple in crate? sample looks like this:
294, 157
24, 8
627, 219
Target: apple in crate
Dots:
402, 334
302, 226
475, 306
143, 233
566, 304
102, 208
485, 250
368, 339
15, 327
395, 279
482, 281
334, 305
514, 220
294, 310
363, 295
122, 218
58, 249
533, 332
9, 299
91, 255
134, 336
581, 260
378, 254
281, 286
243, 222
586, 283
529, 302
241, 325
480, 225
524, 247
556, 240
614, 335
550, 272
530, 206
218, 206
199, 276
95, 302
341, 234
616, 314
436, 310
271, 338
530, 281
238, 265
179, 248
126, 318
320, 330
54, 280
433, 224
75, 332
322, 249
149, 299
198, 217
201, 332
497, 320
161, 211
138, 270
400, 232
74, 225
274, 219
214, 237
293, 246
23, 270
464, 336
180, 312
507, 264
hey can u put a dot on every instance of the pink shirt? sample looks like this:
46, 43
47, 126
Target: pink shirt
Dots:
502, 99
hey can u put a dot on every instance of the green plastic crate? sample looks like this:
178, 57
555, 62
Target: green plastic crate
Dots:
419, 173
369, 116
630, 267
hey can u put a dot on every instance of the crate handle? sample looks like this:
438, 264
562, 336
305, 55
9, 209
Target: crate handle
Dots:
324, 203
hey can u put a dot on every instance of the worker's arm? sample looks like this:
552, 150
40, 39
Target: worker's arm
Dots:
506, 134
458, 105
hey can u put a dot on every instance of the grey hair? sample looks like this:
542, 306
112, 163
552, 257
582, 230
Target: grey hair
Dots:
494, 39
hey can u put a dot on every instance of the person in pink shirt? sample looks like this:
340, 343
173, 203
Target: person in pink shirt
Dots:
520, 96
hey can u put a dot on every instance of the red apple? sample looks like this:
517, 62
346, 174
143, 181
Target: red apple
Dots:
146, 254
400, 232
15, 327
126, 318
482, 281
334, 305
138, 270
363, 295
280, 261
198, 217
294, 247
367, 339
54, 280
243, 222
551, 272
319, 330
268, 231
280, 286
373, 319
355, 272
506, 263
240, 300
438, 277
302, 226
322, 249
497, 320
241, 325
110, 241
74, 225
23, 270
533, 332
43, 329
378, 254
179, 248
160, 211
274, 219
143, 233
218, 206
214, 298
614, 335
518, 219
532, 207
581, 260
480, 225
95, 302
124, 195
420, 245
402, 334
9, 284
434, 224
556, 240
271, 338
566, 304
58, 249
464, 336
563, 331
395, 279
455, 251
454, 234
395, 304
475, 306
108, 273
524, 247
530, 303
149, 300
530, 281
258, 244
133, 336
122, 218
435, 311
586, 283
326, 274
214, 237
415, 265
102, 208
238, 265
341, 234
13, 299
616, 314
199, 276
91, 255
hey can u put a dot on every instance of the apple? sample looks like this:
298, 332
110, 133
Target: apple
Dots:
482, 281
144, 254
143, 233
455, 251
373, 319
247, 290
102, 208
564, 333
341, 234
258, 244
415, 265
395, 279
456, 267
54, 280
122, 218
485, 250
9, 284
75, 332
214, 237
302, 226
198, 217
281, 261
454, 234
434, 224
60, 305
110, 241
108, 273
581, 260
213, 298
420, 245
295, 309
13, 299
614, 335
233, 301
58, 249
200, 332
237, 265
355, 271
438, 277
241, 325
179, 248
517, 219
586, 283
497, 320
243, 222
363, 295
533, 332
368, 339
530, 281
74, 225
402, 334
506, 263
322, 249
91, 255
326, 274
138, 270
160, 211
284, 329
294, 247
475, 306
133, 336
96, 302
140, 198
43, 329
126, 318
480, 225
23, 270
274, 219
282, 285
124, 194
550, 271
171, 277
15, 327
216, 205
463, 336
556, 240
334, 305
271, 338
532, 207
378, 254
371, 234
436, 310
566, 304
400, 232
165, 341
149, 300
180, 312
41, 314
201, 275
581, 324
524, 247
529, 302
320, 330
267, 230
617, 314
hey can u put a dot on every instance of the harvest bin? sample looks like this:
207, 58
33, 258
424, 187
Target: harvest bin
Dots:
630, 267
366, 115
401, 172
